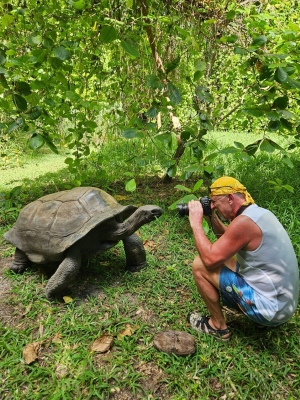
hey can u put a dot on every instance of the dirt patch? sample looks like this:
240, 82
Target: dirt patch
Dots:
6, 310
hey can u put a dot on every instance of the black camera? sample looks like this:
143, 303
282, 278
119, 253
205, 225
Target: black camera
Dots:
183, 209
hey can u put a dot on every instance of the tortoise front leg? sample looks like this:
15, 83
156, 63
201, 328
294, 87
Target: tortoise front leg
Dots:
21, 261
135, 253
65, 273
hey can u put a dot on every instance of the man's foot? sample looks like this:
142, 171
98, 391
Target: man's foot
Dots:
200, 323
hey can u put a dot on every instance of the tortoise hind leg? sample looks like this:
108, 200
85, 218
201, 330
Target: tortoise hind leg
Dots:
65, 273
135, 253
21, 261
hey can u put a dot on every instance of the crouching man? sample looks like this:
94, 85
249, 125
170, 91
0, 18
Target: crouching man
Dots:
251, 267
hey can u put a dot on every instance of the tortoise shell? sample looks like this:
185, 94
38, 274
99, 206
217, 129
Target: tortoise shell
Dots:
55, 222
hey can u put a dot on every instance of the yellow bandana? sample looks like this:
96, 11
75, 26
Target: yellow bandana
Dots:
228, 185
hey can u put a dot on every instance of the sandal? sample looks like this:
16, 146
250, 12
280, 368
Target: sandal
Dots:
201, 324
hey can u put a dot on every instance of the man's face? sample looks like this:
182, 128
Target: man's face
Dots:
222, 205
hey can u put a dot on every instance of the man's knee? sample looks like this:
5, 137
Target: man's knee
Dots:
198, 266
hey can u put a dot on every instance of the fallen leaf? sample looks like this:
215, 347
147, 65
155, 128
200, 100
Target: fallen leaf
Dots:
61, 371
140, 310
128, 331
120, 197
31, 352
102, 343
149, 244
67, 299
56, 338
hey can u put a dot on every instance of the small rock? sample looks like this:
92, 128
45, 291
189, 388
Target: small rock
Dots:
177, 342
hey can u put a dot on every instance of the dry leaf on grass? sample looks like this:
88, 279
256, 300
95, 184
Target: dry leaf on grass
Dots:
61, 371
120, 197
56, 338
67, 299
149, 244
31, 352
128, 331
102, 343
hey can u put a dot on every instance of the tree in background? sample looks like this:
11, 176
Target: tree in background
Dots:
163, 72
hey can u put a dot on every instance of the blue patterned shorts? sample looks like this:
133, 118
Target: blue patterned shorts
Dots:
237, 294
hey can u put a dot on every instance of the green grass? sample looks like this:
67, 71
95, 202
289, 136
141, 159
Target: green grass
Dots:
253, 365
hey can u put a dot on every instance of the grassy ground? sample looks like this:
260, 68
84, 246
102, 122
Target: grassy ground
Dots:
255, 364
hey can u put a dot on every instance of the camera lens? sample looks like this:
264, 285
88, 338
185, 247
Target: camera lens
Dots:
183, 209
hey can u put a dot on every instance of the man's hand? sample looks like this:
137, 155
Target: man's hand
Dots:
195, 213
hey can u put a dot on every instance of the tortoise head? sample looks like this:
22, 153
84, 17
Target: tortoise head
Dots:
149, 213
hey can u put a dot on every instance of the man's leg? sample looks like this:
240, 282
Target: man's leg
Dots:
207, 281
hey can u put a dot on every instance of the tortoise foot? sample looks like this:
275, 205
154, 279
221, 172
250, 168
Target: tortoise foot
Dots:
135, 268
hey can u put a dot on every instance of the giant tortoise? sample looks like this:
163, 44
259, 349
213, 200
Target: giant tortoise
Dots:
81, 222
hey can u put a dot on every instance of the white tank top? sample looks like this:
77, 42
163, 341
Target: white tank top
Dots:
272, 269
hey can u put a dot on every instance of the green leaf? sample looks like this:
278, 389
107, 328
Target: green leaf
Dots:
287, 114
182, 32
275, 145
36, 141
200, 65
172, 171
230, 150
74, 97
293, 83
229, 39
183, 188
194, 168
152, 112
4, 104
274, 125
243, 156
108, 34
259, 40
252, 148
55, 62
62, 53
212, 156
51, 146
254, 112
170, 66
3, 81
153, 82
6, 19
240, 50
130, 48
230, 15
198, 75
130, 186
288, 161
18, 123
266, 146
34, 39
239, 145
286, 124
79, 5
281, 102
203, 93
2, 59
34, 113
22, 88
183, 200
186, 135
280, 75
288, 188
19, 102
173, 93
132, 133
198, 185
